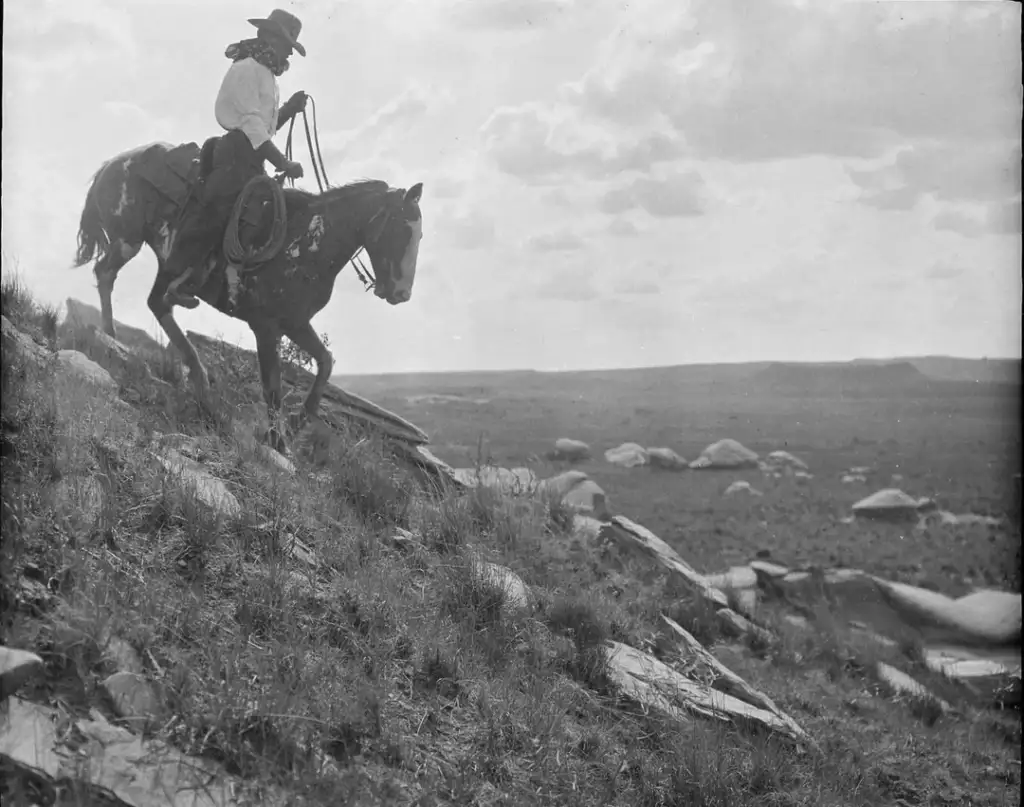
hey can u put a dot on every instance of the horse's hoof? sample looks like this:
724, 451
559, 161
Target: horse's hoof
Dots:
296, 422
274, 439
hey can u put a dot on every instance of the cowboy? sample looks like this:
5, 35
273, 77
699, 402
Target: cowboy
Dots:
247, 108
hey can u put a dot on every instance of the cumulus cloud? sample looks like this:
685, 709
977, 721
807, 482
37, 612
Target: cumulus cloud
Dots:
623, 228
557, 197
543, 145
388, 123
679, 194
945, 270
446, 187
850, 80
557, 241
49, 29
955, 221
1004, 218
574, 284
467, 230
948, 173
508, 15
636, 288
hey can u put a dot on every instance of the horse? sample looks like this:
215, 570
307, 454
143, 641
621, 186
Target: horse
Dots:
138, 196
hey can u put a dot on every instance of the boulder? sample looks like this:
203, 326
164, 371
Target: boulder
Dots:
665, 459
570, 450
80, 365
725, 453
515, 593
783, 459
576, 490
741, 486
628, 455
890, 504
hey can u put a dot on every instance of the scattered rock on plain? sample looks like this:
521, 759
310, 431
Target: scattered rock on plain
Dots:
890, 504
628, 455
570, 450
727, 453
666, 459
741, 486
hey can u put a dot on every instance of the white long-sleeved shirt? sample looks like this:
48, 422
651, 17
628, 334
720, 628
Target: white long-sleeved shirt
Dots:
248, 100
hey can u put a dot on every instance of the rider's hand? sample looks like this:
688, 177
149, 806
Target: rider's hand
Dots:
297, 102
293, 169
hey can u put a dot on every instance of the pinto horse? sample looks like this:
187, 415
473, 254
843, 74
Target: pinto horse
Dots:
137, 197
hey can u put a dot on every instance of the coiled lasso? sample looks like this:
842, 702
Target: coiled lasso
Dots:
247, 256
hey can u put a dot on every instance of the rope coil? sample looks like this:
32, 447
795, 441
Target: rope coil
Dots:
250, 256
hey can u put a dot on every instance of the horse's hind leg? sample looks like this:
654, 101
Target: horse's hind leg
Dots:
106, 269
164, 313
268, 351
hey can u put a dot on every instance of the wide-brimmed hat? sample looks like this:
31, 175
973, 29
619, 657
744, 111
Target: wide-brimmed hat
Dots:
284, 23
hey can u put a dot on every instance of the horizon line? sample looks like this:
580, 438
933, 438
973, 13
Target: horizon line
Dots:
888, 359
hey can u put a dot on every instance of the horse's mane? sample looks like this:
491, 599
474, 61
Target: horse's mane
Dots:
358, 187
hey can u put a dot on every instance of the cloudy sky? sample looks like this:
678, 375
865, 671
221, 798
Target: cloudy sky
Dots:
606, 184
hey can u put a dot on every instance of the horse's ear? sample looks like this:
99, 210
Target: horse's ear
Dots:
414, 193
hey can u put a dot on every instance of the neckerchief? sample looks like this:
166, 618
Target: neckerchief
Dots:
262, 52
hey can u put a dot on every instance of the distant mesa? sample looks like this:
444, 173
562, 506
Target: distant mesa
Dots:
841, 377
442, 398
727, 453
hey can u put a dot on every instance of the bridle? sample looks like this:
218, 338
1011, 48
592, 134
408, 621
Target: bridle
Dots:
366, 276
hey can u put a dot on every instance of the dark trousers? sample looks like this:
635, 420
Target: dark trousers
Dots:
235, 162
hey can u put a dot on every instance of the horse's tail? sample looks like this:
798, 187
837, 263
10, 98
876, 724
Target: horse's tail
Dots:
92, 237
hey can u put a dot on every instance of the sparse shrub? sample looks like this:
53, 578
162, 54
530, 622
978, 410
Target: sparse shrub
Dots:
293, 354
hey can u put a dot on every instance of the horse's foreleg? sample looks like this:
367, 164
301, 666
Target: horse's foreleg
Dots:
306, 338
163, 311
268, 346
106, 269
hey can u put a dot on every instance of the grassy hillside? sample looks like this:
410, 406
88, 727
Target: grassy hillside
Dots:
385, 672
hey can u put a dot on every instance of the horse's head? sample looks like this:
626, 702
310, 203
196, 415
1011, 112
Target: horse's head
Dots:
393, 243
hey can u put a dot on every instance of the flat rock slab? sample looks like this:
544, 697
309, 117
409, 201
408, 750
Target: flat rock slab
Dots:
652, 683
210, 490
17, 667
141, 773
74, 362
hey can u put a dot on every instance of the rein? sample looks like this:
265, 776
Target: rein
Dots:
319, 169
